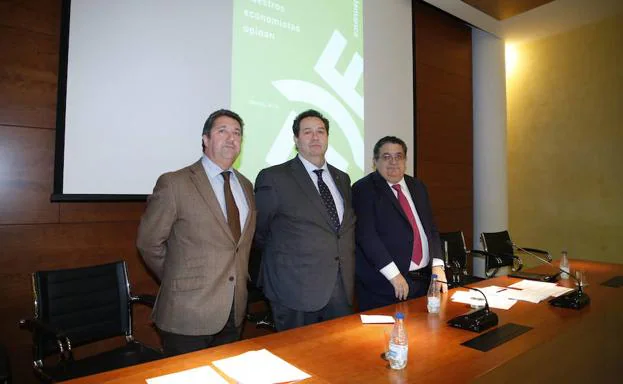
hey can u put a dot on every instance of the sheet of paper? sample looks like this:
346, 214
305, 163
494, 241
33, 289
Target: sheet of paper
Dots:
377, 319
531, 284
259, 367
558, 290
524, 295
539, 287
491, 290
203, 374
474, 298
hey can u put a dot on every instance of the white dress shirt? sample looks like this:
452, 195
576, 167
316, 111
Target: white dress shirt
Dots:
217, 182
328, 180
391, 270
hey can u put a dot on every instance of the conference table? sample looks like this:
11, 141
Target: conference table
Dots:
563, 344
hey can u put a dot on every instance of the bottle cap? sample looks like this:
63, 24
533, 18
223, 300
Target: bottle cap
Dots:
433, 276
400, 316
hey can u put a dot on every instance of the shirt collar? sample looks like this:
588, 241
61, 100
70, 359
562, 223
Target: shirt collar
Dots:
402, 183
310, 167
212, 170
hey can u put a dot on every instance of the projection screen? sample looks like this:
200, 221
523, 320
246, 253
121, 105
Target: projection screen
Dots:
138, 78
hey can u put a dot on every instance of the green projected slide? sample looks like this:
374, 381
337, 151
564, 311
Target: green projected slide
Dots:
292, 55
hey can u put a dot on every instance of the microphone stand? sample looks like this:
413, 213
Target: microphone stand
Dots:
531, 275
575, 299
477, 320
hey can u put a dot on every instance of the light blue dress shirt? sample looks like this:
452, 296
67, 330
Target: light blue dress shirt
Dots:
217, 182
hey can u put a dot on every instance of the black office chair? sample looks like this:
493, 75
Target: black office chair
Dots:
74, 307
456, 257
499, 251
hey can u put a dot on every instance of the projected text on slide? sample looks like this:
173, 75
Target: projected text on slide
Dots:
289, 56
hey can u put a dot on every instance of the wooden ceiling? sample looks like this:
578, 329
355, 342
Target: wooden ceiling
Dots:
503, 9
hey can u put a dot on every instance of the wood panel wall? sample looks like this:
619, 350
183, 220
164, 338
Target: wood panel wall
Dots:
443, 94
36, 234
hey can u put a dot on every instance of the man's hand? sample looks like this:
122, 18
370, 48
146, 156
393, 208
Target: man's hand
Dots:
401, 288
441, 275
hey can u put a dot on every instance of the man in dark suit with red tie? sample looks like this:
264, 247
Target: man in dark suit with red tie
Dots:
398, 245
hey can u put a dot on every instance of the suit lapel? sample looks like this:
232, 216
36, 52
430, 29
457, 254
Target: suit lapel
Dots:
307, 185
201, 182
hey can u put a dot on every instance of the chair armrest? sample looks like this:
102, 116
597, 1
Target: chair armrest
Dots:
35, 325
483, 253
148, 300
500, 259
62, 340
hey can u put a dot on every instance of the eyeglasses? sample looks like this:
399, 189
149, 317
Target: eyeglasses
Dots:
396, 157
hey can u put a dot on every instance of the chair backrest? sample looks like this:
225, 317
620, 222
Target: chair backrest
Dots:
498, 243
457, 250
89, 304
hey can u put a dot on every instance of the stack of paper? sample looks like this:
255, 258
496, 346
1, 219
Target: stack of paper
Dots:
506, 297
527, 295
540, 288
203, 374
259, 367
377, 319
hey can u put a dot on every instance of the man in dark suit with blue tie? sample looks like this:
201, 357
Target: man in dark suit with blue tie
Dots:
306, 231
398, 245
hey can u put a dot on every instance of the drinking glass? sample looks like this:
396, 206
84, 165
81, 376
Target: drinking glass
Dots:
582, 278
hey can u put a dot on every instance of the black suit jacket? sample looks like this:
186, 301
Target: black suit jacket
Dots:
301, 250
384, 234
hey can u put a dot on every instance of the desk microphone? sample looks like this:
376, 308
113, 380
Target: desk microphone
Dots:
575, 299
477, 320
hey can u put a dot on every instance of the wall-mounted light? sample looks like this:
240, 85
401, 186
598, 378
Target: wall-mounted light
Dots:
511, 58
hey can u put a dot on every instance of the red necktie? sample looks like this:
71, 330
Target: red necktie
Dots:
417, 241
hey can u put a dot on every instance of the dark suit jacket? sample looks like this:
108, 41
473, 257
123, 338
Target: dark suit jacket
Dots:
185, 240
301, 251
383, 231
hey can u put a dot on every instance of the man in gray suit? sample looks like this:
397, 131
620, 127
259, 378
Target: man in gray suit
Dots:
305, 229
195, 235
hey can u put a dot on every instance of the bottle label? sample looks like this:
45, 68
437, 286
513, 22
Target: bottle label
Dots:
433, 304
565, 274
398, 352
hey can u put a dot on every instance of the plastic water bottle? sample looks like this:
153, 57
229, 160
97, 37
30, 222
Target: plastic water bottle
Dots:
564, 265
398, 344
433, 296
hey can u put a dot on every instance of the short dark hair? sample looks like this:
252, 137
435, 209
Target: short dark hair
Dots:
296, 126
209, 124
391, 140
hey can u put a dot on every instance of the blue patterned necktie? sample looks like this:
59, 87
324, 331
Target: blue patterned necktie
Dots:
327, 200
